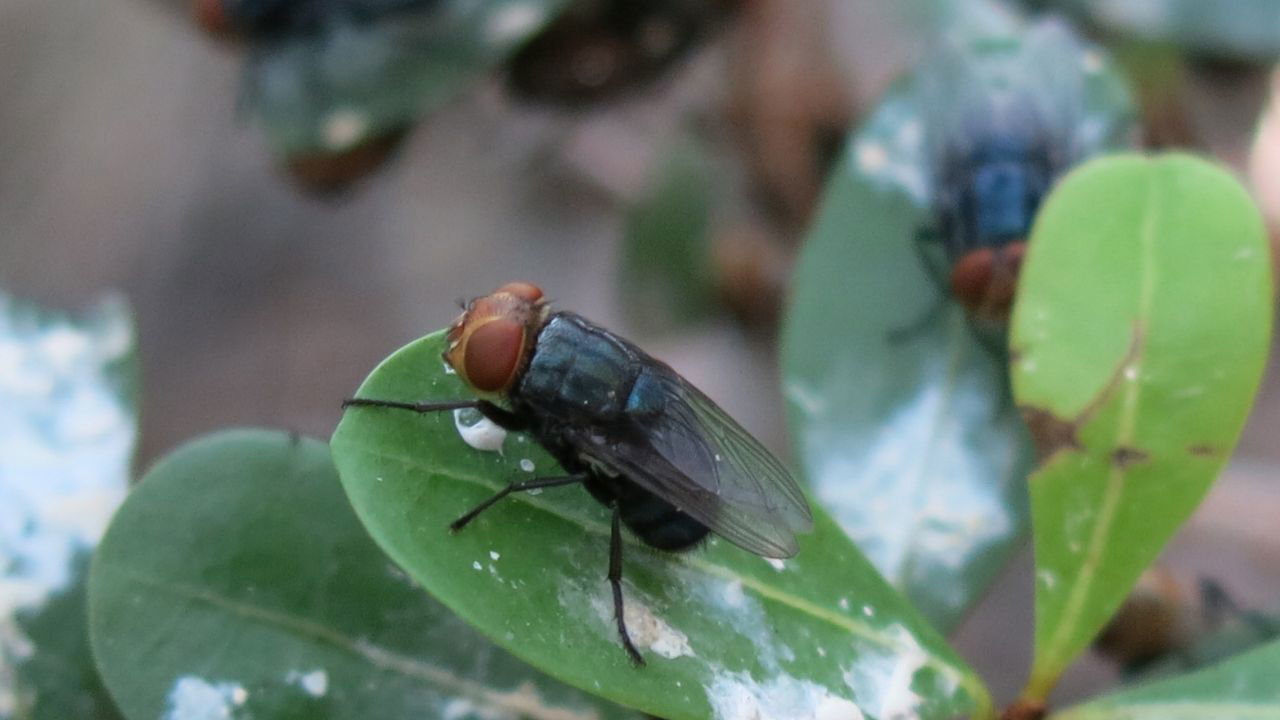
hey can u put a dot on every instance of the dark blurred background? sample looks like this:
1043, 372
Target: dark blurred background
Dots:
126, 166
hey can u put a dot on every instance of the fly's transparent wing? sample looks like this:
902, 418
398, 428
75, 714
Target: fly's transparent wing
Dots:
680, 445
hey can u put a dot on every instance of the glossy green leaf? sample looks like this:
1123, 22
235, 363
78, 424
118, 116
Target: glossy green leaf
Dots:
1142, 326
666, 274
330, 91
905, 430
726, 634
1242, 688
236, 582
1246, 29
67, 430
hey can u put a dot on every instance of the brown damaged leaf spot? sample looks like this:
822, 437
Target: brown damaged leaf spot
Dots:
1052, 434
1126, 457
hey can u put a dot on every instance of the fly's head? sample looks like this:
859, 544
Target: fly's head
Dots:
490, 343
985, 280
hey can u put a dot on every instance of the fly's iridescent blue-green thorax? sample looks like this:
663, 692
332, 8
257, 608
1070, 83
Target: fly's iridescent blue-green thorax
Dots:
491, 341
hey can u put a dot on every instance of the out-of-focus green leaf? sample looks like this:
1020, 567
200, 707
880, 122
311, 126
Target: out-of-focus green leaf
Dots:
1245, 29
1242, 688
1141, 328
908, 434
726, 634
236, 583
336, 89
666, 273
67, 430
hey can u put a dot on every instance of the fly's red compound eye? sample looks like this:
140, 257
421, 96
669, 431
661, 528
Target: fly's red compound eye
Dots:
523, 290
493, 353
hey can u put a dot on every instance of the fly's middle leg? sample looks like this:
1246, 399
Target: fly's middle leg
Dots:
523, 486
500, 416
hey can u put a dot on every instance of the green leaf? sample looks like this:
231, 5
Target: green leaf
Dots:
1141, 326
236, 583
725, 633
1242, 688
67, 430
666, 274
906, 431
334, 90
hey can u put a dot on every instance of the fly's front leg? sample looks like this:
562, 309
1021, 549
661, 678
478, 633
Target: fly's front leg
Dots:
500, 416
615, 582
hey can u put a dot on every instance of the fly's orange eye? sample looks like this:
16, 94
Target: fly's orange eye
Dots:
971, 277
523, 290
493, 354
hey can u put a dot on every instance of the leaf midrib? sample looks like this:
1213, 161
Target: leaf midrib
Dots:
847, 623
377, 656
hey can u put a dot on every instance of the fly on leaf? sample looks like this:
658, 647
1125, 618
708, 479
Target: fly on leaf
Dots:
668, 462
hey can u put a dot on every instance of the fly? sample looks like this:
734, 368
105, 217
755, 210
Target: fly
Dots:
667, 461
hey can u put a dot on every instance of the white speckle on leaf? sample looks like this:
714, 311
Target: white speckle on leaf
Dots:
193, 698
844, 603
1131, 373
738, 696
314, 683
777, 564
344, 128
527, 465
1243, 253
872, 157
733, 595
1092, 61
513, 22
476, 565
448, 369
478, 431
868, 611
493, 555
1047, 578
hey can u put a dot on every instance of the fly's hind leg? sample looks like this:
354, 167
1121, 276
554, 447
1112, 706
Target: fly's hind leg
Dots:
615, 582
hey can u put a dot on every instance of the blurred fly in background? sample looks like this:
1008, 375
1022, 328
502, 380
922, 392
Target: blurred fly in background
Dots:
1002, 122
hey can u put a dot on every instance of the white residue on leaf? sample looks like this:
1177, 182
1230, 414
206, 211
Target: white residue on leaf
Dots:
525, 701
738, 696
66, 436
193, 698
777, 564
494, 555
527, 465
882, 681
476, 565
647, 629
733, 595
513, 21
1047, 578
479, 431
448, 369
314, 683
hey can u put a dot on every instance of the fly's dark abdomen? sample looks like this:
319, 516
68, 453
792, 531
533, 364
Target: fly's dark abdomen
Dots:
654, 520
